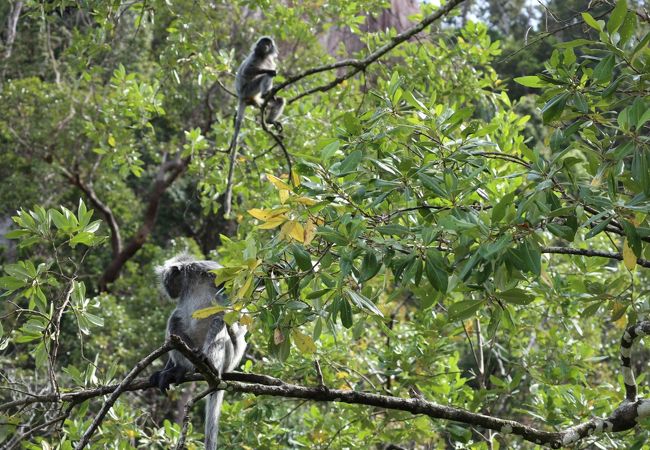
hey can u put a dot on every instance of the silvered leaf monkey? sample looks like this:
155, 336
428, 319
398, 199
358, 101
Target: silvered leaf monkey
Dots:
192, 283
253, 80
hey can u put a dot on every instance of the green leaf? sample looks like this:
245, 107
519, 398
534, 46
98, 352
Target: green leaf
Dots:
317, 294
84, 237
528, 257
369, 266
435, 271
554, 107
350, 163
627, 29
433, 184
332, 236
598, 228
516, 296
633, 238
580, 102
329, 150
346, 313
303, 260
11, 283
530, 81
604, 69
562, 231
464, 309
589, 20
499, 210
575, 43
363, 302
617, 16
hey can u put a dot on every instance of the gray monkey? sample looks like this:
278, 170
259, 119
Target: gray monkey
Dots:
253, 80
192, 283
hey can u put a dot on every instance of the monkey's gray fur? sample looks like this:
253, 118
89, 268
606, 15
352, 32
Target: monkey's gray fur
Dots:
192, 283
253, 80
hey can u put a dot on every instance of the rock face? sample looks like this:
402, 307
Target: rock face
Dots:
396, 17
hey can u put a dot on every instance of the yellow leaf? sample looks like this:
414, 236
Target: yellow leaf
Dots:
304, 342
292, 229
595, 182
111, 140
297, 231
284, 195
267, 214
278, 337
253, 263
260, 214
245, 319
629, 258
278, 183
306, 201
207, 312
273, 223
295, 178
341, 375
310, 231
243, 291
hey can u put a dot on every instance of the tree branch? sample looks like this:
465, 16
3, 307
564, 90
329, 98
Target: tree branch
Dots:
586, 252
12, 23
107, 212
167, 174
359, 65
623, 418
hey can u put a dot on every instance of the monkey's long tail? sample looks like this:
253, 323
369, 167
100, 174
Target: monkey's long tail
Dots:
212, 413
630, 335
227, 203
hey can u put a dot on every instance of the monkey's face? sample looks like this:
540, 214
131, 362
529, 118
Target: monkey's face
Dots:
264, 47
173, 282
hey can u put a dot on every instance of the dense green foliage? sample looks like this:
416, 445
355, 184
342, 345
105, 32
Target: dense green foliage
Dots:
428, 236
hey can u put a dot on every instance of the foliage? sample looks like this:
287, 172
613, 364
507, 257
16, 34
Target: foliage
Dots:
429, 237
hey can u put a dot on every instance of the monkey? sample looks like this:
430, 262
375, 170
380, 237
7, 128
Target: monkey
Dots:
253, 80
192, 282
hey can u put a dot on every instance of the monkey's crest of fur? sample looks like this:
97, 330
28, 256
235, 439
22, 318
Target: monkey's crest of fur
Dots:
184, 264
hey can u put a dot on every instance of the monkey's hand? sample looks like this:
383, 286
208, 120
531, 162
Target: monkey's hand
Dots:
278, 126
272, 72
167, 376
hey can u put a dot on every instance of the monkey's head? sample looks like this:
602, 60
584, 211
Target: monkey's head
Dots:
265, 47
184, 271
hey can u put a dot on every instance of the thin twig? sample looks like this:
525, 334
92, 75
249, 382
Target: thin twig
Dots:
359, 65
108, 404
180, 445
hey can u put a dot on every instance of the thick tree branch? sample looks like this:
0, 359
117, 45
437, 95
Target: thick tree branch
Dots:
359, 65
168, 172
12, 23
586, 252
624, 417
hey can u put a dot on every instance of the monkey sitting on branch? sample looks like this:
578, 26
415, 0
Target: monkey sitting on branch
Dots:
253, 80
192, 282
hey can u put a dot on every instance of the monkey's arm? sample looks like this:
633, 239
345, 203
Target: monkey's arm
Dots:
237, 335
172, 372
253, 71
176, 327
